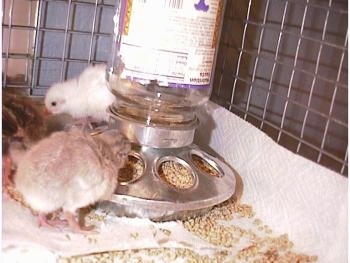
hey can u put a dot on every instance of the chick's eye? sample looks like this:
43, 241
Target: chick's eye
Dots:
53, 103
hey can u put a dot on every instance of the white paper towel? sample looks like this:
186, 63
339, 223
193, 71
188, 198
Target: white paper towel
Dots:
291, 194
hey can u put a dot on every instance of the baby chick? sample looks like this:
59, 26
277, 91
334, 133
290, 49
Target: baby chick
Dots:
86, 96
70, 170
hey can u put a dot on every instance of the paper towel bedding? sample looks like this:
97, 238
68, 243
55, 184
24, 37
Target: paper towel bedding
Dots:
289, 193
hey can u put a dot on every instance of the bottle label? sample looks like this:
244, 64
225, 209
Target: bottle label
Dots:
171, 41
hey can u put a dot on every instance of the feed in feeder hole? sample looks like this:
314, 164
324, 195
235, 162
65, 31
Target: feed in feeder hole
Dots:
176, 174
132, 170
205, 166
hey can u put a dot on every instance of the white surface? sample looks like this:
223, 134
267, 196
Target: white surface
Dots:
21, 234
289, 193
294, 195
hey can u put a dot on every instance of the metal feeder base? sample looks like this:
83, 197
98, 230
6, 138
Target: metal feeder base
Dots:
172, 183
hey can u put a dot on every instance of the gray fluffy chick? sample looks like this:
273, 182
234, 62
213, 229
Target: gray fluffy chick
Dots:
70, 170
86, 96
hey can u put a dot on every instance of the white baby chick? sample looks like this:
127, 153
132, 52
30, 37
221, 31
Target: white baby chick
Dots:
86, 96
70, 170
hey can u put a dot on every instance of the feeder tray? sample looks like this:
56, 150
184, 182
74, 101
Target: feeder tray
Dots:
170, 184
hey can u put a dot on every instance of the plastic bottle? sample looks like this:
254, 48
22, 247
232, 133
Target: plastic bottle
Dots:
163, 59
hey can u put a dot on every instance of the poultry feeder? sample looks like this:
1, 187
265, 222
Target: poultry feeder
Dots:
158, 84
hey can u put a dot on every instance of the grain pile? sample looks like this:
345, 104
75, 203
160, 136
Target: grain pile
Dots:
231, 227
146, 256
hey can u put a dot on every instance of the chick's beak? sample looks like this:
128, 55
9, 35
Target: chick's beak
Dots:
47, 111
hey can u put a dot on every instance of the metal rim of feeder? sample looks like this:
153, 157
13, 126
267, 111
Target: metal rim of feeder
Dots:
213, 168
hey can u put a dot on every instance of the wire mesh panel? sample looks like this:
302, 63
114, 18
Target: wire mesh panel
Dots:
18, 34
63, 38
282, 65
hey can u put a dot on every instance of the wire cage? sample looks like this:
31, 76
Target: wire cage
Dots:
281, 64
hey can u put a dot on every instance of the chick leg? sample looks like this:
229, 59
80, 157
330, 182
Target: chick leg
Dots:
84, 123
74, 224
55, 223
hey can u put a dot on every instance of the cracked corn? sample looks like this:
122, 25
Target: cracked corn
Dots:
233, 226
